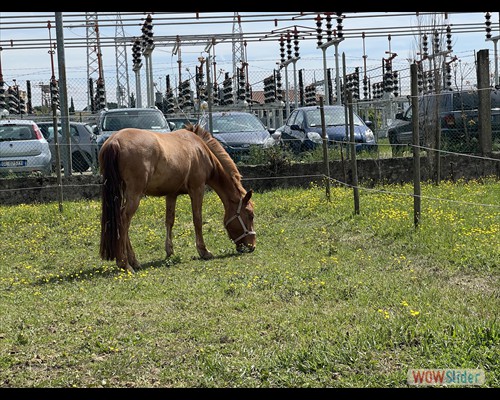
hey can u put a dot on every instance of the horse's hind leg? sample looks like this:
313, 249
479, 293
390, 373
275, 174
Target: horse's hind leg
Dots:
169, 223
128, 261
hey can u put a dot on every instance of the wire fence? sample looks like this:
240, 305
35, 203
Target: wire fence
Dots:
458, 115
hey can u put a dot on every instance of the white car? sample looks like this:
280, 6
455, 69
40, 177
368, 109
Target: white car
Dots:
23, 147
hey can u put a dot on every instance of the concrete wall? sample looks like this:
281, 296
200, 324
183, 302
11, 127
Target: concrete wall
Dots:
264, 177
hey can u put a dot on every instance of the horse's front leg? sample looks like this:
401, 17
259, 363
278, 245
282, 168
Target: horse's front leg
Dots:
169, 223
196, 206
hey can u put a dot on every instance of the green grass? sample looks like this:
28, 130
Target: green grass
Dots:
328, 298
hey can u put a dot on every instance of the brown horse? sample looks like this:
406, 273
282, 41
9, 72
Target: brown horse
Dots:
135, 162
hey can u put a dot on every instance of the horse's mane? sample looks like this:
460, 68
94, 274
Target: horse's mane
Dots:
219, 152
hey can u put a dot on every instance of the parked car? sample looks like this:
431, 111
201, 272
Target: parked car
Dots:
23, 147
458, 117
179, 122
400, 132
111, 121
303, 131
83, 144
238, 131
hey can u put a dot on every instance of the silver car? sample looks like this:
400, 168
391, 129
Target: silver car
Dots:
23, 147
111, 121
83, 144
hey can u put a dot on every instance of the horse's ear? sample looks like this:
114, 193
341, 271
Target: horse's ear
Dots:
248, 196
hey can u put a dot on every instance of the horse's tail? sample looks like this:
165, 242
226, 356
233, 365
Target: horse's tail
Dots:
111, 202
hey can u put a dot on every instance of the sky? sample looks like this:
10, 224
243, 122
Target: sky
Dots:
262, 49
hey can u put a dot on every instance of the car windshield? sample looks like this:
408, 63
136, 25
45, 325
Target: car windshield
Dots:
133, 119
236, 123
333, 117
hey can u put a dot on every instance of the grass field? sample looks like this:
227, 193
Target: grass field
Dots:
328, 299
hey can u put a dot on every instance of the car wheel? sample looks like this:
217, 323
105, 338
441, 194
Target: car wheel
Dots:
80, 163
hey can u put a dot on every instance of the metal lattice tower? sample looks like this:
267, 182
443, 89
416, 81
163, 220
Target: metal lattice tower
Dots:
122, 85
238, 47
92, 50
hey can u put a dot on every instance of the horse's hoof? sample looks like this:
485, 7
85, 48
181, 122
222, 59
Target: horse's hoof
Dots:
207, 256
130, 269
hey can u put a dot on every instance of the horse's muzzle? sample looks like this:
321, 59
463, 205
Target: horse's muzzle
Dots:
245, 248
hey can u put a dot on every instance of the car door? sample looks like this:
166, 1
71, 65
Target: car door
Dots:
294, 133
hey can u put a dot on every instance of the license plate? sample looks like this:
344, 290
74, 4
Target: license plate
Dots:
13, 163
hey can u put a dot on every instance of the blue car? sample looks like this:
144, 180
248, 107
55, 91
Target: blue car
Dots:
302, 131
238, 132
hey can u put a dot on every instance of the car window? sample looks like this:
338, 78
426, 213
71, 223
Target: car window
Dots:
299, 119
292, 117
17, 132
89, 129
46, 131
134, 119
408, 113
73, 131
236, 123
333, 117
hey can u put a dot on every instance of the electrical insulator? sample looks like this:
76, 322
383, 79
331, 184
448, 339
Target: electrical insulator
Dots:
22, 106
100, 95
301, 87
200, 84
185, 94
148, 24
248, 93
340, 34
3, 105
216, 95
296, 42
310, 95
388, 77
279, 90
355, 84
488, 25
227, 90
319, 30
430, 82
288, 45
54, 93
269, 90
420, 79
449, 46
365, 87
374, 90
425, 45
282, 49
328, 19
448, 76
241, 84
435, 46
395, 84
13, 100
330, 85
170, 101
136, 54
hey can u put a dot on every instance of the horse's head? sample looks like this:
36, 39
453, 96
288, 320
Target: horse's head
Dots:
239, 224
